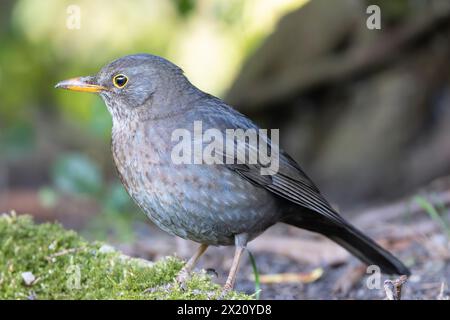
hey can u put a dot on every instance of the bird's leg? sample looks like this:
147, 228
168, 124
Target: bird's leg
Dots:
241, 243
183, 275
232, 275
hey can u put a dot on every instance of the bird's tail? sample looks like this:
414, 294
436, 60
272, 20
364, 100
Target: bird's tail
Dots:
356, 243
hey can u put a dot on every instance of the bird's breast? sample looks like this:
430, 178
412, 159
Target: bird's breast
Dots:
138, 154
204, 203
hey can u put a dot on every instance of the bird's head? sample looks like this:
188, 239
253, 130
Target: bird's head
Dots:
134, 84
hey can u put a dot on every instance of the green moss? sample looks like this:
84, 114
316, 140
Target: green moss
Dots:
65, 266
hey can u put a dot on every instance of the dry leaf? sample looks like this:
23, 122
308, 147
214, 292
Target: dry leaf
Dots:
292, 277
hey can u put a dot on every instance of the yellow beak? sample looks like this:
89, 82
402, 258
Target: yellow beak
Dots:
82, 84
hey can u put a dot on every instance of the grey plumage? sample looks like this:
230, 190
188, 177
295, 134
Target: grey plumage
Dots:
209, 204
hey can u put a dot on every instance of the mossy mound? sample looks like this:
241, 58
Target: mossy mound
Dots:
46, 261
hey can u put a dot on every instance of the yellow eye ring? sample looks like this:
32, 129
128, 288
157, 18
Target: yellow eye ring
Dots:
120, 81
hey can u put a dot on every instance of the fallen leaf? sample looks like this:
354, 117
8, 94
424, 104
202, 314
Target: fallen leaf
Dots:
292, 277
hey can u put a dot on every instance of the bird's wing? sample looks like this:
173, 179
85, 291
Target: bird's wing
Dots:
289, 182
296, 187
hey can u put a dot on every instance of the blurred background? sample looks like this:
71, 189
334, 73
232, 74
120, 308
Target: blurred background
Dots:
365, 112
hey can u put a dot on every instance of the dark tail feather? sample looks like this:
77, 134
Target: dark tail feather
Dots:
368, 251
356, 243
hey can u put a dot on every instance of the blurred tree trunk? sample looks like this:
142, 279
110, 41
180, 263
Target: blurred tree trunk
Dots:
365, 112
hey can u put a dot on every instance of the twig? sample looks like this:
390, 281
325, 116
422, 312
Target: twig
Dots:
349, 279
393, 289
442, 295
63, 252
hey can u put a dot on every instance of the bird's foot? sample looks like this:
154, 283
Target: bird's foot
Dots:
182, 278
225, 290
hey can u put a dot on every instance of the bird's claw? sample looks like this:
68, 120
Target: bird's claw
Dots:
182, 278
225, 290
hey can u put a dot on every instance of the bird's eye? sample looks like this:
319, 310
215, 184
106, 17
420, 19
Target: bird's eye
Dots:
120, 81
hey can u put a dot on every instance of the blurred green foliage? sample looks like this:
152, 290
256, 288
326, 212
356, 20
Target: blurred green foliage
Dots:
434, 214
75, 173
185, 7
17, 140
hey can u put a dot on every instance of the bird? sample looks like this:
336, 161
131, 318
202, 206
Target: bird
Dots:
223, 203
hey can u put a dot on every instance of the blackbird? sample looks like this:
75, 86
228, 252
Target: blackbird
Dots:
219, 203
